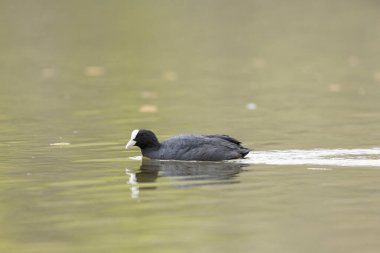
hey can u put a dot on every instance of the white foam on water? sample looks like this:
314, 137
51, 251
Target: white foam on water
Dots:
137, 158
325, 157
319, 169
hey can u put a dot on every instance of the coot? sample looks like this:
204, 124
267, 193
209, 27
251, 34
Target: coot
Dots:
189, 147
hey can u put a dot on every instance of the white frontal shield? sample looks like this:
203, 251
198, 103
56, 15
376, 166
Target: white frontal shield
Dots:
132, 141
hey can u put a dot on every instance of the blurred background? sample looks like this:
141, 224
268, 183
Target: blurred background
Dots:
311, 71
76, 77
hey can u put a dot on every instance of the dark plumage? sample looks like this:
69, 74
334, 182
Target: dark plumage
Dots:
190, 147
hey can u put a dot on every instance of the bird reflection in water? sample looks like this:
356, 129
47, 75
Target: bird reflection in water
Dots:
183, 174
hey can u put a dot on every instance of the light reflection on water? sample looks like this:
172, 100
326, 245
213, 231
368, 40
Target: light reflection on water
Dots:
182, 174
207, 173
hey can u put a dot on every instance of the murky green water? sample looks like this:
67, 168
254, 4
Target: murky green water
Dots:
76, 77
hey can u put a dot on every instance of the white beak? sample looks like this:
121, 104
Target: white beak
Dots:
130, 144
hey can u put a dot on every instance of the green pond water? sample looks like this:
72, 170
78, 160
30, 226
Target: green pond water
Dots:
298, 81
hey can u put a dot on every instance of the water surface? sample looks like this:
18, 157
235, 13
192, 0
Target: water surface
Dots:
298, 82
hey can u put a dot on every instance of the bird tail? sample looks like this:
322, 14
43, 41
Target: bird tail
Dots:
245, 151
